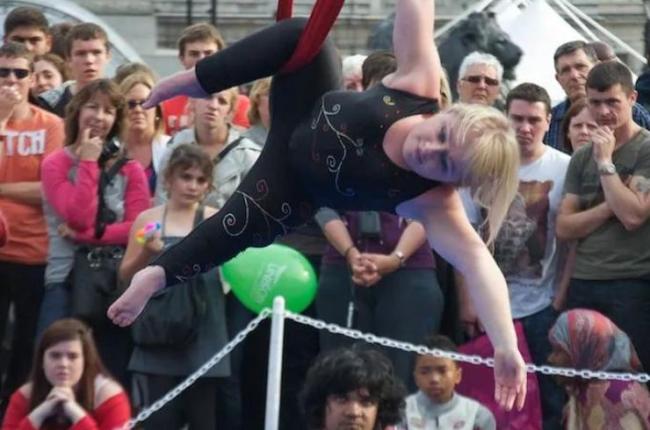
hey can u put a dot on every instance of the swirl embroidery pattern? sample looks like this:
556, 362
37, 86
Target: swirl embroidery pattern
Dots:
190, 271
256, 214
333, 162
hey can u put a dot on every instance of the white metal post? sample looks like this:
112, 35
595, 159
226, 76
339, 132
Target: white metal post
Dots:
274, 378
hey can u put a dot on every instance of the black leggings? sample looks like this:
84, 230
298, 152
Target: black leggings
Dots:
270, 200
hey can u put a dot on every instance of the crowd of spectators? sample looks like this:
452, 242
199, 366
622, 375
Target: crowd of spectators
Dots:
84, 169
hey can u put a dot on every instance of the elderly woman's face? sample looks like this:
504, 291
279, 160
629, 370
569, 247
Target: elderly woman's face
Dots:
479, 85
580, 129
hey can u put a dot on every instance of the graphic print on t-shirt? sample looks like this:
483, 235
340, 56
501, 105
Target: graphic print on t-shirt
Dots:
24, 143
521, 243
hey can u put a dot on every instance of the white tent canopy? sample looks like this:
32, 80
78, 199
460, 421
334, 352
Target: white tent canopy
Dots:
538, 30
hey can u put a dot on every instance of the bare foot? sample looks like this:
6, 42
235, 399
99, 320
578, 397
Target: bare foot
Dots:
131, 303
181, 83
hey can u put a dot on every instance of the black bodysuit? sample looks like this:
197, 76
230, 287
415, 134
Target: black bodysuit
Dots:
339, 157
324, 148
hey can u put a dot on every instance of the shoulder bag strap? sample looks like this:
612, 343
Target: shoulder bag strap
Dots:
227, 149
105, 177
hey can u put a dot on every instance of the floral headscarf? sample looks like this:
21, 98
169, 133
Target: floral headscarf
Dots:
593, 342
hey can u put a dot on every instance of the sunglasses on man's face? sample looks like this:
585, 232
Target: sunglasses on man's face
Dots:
18, 73
475, 79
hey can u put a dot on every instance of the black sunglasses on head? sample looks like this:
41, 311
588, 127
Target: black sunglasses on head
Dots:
18, 73
475, 79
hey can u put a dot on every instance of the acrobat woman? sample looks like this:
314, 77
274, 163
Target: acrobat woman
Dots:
385, 149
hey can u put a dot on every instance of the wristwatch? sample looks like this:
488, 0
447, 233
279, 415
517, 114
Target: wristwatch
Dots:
400, 256
607, 169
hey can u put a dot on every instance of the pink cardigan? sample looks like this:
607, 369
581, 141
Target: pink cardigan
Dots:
76, 202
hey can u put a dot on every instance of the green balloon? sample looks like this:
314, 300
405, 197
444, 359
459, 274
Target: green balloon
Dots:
258, 275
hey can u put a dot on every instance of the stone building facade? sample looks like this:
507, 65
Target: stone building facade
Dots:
152, 26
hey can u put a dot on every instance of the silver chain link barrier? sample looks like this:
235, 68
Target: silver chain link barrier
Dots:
173, 393
456, 356
370, 338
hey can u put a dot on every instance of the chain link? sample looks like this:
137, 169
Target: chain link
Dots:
370, 338
171, 395
456, 356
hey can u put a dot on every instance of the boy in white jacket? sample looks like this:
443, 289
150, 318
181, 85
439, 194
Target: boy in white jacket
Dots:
436, 405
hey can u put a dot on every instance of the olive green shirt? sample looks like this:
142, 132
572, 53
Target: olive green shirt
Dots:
611, 252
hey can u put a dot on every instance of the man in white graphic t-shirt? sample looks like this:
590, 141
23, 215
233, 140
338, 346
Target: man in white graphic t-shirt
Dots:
526, 248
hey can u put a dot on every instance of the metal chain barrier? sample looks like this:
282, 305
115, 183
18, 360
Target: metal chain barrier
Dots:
173, 393
370, 338
473, 359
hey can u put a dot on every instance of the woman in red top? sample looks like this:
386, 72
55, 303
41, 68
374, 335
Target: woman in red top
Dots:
68, 387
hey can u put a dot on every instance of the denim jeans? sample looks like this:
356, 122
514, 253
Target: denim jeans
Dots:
553, 396
624, 301
55, 305
406, 305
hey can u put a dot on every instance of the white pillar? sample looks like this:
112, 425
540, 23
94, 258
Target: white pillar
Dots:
274, 378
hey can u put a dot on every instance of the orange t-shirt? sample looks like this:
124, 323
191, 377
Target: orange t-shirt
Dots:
24, 146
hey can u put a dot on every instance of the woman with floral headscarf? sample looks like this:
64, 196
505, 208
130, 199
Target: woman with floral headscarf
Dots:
585, 339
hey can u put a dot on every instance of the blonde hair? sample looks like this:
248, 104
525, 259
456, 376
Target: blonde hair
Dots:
491, 157
261, 87
445, 90
146, 79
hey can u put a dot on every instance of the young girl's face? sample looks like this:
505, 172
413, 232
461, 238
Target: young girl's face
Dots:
98, 114
188, 186
436, 377
46, 77
63, 363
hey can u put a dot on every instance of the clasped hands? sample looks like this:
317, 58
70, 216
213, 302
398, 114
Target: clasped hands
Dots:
60, 400
369, 268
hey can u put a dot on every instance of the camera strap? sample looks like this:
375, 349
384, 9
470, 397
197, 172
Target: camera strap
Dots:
105, 178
